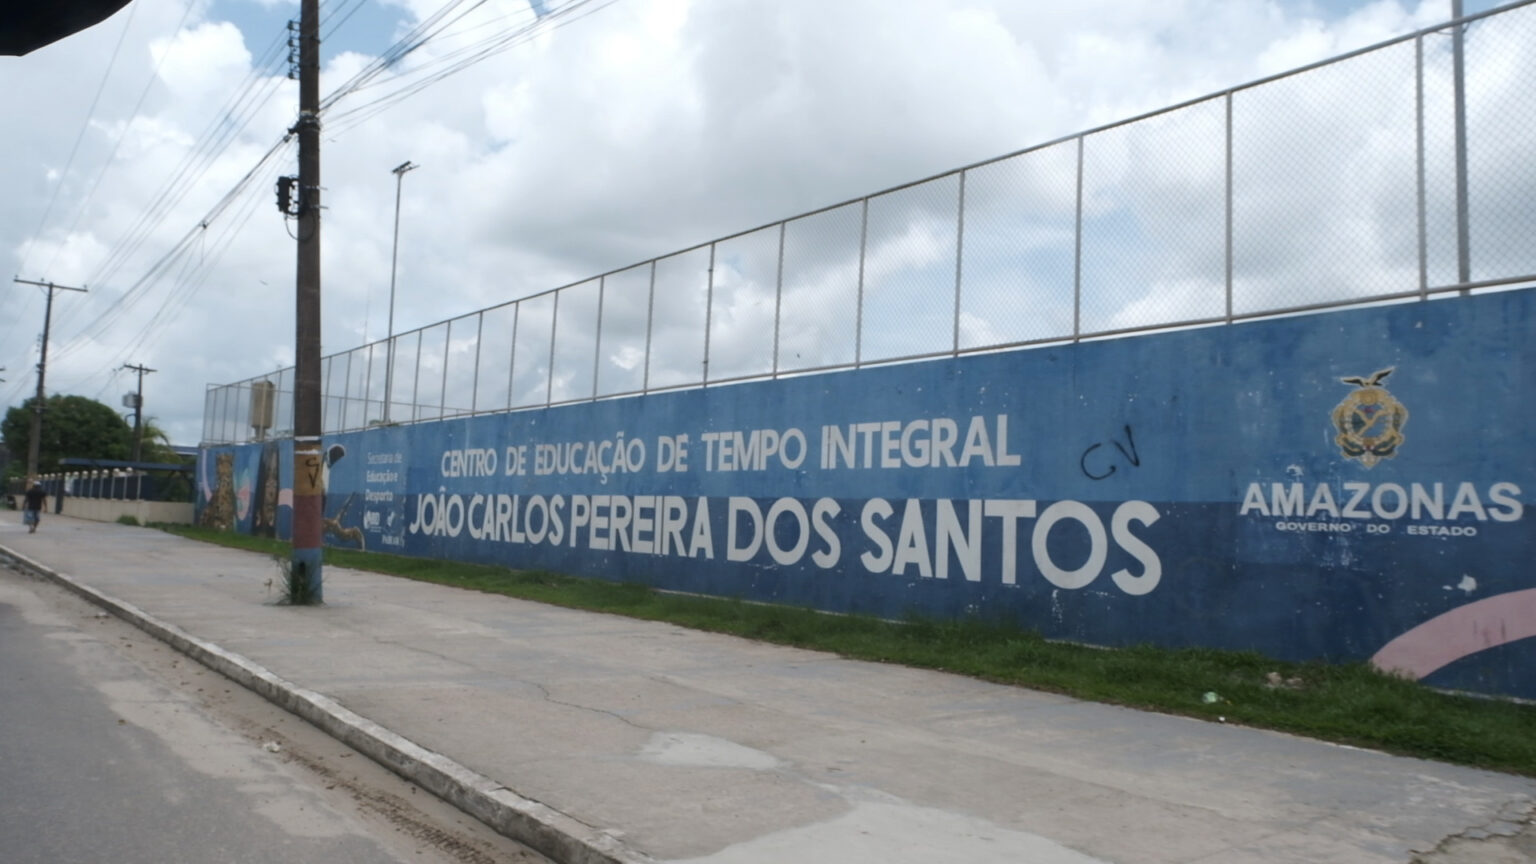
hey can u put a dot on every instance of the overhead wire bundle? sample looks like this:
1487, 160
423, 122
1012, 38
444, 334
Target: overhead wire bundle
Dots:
190, 259
236, 114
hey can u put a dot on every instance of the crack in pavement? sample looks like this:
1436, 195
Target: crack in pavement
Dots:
1515, 821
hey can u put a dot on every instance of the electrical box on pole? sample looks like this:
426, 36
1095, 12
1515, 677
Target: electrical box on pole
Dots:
135, 401
285, 195
263, 407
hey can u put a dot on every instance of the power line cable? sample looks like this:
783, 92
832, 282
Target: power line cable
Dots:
229, 123
232, 118
104, 387
193, 270
163, 203
421, 34
325, 19
442, 34
461, 59
159, 208
90, 114
134, 292
167, 199
123, 133
253, 94
416, 37
192, 275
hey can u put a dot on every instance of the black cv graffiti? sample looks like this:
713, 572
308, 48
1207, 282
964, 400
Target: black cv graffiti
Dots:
1128, 450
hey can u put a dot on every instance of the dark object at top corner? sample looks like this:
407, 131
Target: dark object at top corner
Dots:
31, 24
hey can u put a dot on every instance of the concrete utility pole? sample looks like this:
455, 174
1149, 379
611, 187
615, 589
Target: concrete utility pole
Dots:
138, 410
305, 585
36, 438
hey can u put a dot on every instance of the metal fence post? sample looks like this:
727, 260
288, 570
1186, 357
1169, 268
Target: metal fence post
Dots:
1077, 252
554, 322
709, 308
1229, 206
474, 393
208, 402
326, 364
858, 318
346, 395
442, 395
368, 385
597, 347
517, 314
1418, 129
650, 322
959, 257
1459, 93
389, 375
778, 298
416, 378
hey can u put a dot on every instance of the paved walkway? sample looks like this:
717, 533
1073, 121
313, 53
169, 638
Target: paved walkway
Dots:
599, 738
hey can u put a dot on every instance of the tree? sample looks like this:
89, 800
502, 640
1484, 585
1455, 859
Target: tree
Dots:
171, 486
156, 446
73, 426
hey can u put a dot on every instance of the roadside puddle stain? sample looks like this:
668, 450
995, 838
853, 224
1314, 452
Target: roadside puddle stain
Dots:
704, 751
895, 832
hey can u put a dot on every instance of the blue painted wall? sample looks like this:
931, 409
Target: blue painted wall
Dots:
1186, 488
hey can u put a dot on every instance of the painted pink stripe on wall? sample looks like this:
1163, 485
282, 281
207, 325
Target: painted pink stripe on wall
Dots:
1461, 632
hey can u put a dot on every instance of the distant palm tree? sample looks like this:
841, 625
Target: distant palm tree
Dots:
155, 444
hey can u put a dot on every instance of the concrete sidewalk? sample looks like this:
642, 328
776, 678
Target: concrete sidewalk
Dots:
598, 738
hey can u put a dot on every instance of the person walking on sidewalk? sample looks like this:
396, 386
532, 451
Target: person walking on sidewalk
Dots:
32, 507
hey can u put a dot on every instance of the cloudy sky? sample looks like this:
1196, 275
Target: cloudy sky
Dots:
561, 139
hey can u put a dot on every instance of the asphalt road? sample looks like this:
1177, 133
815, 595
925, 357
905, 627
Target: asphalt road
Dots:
113, 748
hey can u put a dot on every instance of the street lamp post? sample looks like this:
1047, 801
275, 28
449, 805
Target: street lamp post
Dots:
389, 370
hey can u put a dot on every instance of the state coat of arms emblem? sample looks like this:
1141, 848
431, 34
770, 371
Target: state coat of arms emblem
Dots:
1370, 420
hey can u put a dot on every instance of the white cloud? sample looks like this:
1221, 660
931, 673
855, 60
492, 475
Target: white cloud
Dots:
201, 62
654, 125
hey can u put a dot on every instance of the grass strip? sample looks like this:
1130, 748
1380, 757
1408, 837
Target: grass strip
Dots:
1344, 703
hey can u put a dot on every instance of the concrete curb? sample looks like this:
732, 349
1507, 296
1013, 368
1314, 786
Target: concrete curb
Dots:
542, 828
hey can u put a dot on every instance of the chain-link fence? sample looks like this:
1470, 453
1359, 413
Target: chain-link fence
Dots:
1394, 173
